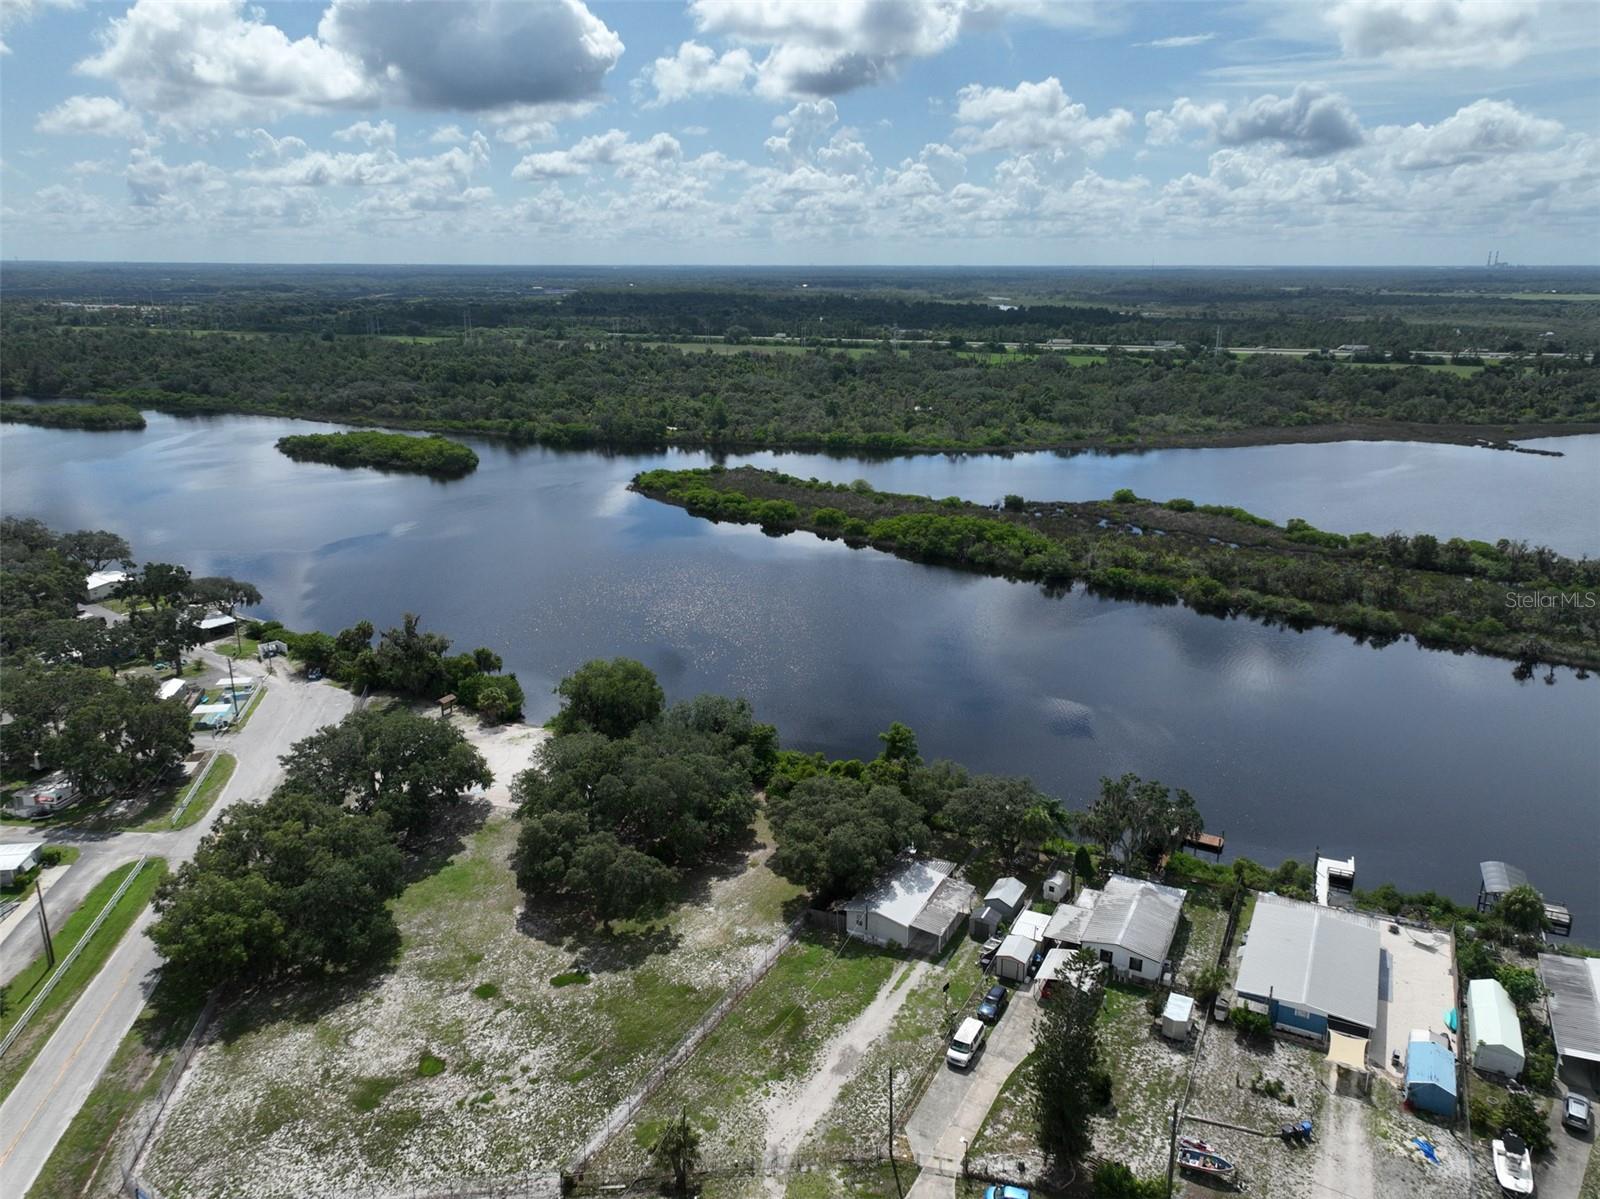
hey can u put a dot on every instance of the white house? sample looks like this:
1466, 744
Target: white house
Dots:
1067, 922
102, 583
917, 904
1495, 1031
18, 858
1132, 925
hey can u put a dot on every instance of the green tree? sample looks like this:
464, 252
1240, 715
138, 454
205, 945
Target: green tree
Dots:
1062, 1073
96, 548
834, 835
1522, 985
677, 1150
611, 698
289, 886
406, 766
1137, 820
1082, 866
226, 595
1522, 909
997, 812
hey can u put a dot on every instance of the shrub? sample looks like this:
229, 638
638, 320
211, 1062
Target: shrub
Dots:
1522, 1116
1250, 1024
1180, 505
429, 1065
1113, 1180
827, 518
1124, 495
1013, 503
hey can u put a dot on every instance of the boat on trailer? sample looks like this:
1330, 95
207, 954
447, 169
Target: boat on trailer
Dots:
1513, 1165
1206, 1161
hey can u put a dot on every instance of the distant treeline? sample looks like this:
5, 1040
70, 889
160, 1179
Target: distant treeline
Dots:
601, 392
1526, 603
100, 417
435, 455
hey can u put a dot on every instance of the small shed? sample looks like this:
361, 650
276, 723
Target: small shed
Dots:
1431, 1078
1495, 1030
1011, 962
999, 907
1177, 1018
170, 689
1058, 887
18, 858
271, 649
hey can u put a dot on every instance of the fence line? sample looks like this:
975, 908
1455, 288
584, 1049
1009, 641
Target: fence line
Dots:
625, 1111
194, 789
148, 1118
72, 956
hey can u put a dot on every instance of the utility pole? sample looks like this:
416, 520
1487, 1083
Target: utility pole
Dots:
1172, 1149
233, 695
44, 926
893, 1165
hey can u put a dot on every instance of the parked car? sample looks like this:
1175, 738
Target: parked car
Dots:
966, 1043
313, 675
1035, 962
994, 1002
990, 948
1577, 1113
1005, 1192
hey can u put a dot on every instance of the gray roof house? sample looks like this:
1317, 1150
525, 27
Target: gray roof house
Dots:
1132, 924
1574, 1003
1315, 968
917, 904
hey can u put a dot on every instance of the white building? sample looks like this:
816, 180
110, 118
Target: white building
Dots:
102, 583
19, 857
1132, 925
1057, 887
917, 905
1494, 1030
1068, 921
1016, 951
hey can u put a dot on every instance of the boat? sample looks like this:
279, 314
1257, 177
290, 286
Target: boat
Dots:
1205, 1161
1513, 1167
1196, 1144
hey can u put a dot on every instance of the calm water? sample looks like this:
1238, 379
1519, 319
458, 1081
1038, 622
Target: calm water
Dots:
1420, 763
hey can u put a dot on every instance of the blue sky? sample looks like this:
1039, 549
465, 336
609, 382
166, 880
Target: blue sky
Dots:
801, 131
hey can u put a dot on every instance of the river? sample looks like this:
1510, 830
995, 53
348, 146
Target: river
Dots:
1419, 762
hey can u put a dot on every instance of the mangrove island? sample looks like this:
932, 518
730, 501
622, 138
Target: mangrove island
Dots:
437, 456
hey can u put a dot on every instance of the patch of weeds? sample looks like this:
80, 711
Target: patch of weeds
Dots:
570, 978
368, 1093
486, 990
429, 1065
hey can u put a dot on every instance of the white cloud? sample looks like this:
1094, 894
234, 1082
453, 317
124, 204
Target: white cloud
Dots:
613, 148
102, 116
1437, 33
1309, 123
695, 70
1035, 116
447, 135
381, 134
1178, 42
19, 12
1483, 130
206, 62
817, 48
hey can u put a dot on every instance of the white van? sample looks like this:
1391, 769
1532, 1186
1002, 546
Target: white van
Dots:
965, 1044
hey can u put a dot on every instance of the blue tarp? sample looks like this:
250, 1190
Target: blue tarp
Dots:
1431, 1077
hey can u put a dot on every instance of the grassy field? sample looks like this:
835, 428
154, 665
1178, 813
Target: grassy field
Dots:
83, 1161
19, 992
65, 855
157, 817
496, 1043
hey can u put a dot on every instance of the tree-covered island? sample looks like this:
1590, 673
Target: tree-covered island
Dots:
437, 456
94, 417
1508, 599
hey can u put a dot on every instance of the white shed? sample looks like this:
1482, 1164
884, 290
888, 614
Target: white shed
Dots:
1011, 962
18, 858
1058, 887
1031, 925
1494, 1028
1177, 1018
102, 584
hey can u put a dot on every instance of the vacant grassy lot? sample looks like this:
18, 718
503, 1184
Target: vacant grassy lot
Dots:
495, 1044
20, 991
158, 816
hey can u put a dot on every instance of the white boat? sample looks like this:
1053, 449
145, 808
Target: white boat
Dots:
1513, 1165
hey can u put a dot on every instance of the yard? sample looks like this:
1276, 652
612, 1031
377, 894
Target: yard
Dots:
498, 1041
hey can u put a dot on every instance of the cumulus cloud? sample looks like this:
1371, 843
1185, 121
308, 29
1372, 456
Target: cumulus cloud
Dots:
210, 61
1035, 116
1483, 130
1309, 123
613, 148
19, 12
381, 134
1437, 33
103, 116
695, 70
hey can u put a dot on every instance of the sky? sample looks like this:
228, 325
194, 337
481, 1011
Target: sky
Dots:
894, 132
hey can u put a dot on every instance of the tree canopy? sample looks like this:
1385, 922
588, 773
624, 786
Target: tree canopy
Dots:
290, 886
404, 766
1138, 821
1064, 1077
611, 698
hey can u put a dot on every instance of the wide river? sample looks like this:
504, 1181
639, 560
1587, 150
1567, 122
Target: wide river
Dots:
1420, 763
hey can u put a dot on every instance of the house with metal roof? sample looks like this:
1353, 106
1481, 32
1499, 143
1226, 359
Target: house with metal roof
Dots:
1132, 924
1313, 970
1068, 920
918, 904
1493, 1030
1573, 1000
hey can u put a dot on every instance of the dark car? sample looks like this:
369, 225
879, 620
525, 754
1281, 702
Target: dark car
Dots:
993, 1004
1035, 962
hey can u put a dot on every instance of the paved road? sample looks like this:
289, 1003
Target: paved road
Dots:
1559, 1173
954, 1106
46, 1098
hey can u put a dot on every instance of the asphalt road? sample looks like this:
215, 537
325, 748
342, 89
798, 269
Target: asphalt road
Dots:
44, 1101
953, 1107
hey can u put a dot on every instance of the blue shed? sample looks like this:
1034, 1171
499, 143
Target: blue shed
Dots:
1431, 1078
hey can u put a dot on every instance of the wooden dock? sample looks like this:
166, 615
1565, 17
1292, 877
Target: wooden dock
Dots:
1206, 843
